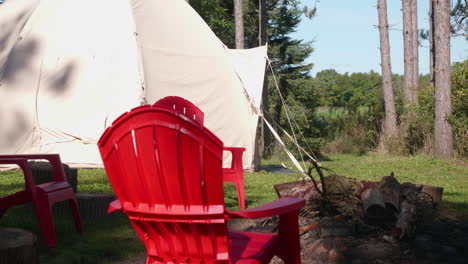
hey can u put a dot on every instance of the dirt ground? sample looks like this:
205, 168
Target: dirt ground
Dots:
437, 238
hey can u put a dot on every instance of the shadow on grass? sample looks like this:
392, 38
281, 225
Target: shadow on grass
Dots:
104, 240
455, 210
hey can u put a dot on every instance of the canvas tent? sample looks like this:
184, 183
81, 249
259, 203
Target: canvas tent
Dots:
68, 68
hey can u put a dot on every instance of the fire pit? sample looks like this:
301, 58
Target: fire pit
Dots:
372, 222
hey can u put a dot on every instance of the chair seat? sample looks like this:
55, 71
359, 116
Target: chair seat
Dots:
252, 247
53, 186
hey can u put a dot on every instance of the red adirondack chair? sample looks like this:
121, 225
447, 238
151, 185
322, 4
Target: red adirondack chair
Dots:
42, 196
233, 174
166, 172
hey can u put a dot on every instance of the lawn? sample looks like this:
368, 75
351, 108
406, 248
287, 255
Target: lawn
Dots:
112, 238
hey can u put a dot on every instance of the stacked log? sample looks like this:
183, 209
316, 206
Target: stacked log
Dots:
386, 203
389, 202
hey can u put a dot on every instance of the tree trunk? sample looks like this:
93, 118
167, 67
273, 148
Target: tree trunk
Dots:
408, 52
389, 126
431, 43
239, 23
262, 21
443, 142
262, 40
414, 29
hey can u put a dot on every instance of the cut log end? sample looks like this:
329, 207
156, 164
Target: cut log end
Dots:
17, 246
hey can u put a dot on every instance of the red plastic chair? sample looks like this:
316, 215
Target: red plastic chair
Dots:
234, 174
165, 170
42, 196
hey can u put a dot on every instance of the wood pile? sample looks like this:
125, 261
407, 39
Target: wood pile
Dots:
386, 203
372, 222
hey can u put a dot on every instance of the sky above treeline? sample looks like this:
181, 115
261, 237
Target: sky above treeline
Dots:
346, 37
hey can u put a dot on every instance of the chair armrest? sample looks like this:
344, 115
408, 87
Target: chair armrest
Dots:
53, 159
278, 207
233, 149
114, 206
236, 153
23, 164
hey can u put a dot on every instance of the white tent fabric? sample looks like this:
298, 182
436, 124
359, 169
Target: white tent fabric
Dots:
243, 62
76, 65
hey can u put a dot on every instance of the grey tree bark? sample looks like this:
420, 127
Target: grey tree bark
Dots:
262, 21
431, 43
389, 126
265, 137
239, 23
414, 29
443, 140
408, 52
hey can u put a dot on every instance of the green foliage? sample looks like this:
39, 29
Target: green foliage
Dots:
459, 116
218, 15
288, 58
420, 132
459, 18
287, 55
333, 88
351, 132
355, 128
363, 91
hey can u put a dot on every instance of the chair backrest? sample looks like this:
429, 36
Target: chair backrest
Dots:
182, 106
167, 173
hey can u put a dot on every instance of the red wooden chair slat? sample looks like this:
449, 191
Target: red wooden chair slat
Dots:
233, 174
166, 171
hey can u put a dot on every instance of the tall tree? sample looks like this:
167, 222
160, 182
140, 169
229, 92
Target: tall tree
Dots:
265, 138
239, 23
415, 44
443, 141
288, 57
408, 52
389, 125
262, 22
431, 42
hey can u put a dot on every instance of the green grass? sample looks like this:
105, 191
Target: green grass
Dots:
112, 238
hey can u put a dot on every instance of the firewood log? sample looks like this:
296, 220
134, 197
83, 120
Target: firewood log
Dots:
407, 215
390, 189
373, 204
17, 246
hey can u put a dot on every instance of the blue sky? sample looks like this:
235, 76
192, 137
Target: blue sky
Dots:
347, 40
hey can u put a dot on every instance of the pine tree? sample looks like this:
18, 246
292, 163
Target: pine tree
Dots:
288, 57
239, 23
389, 126
443, 141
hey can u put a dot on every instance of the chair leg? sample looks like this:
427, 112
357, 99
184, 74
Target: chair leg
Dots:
240, 194
290, 251
43, 211
76, 214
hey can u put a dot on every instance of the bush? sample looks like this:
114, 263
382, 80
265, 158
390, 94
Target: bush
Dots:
459, 117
